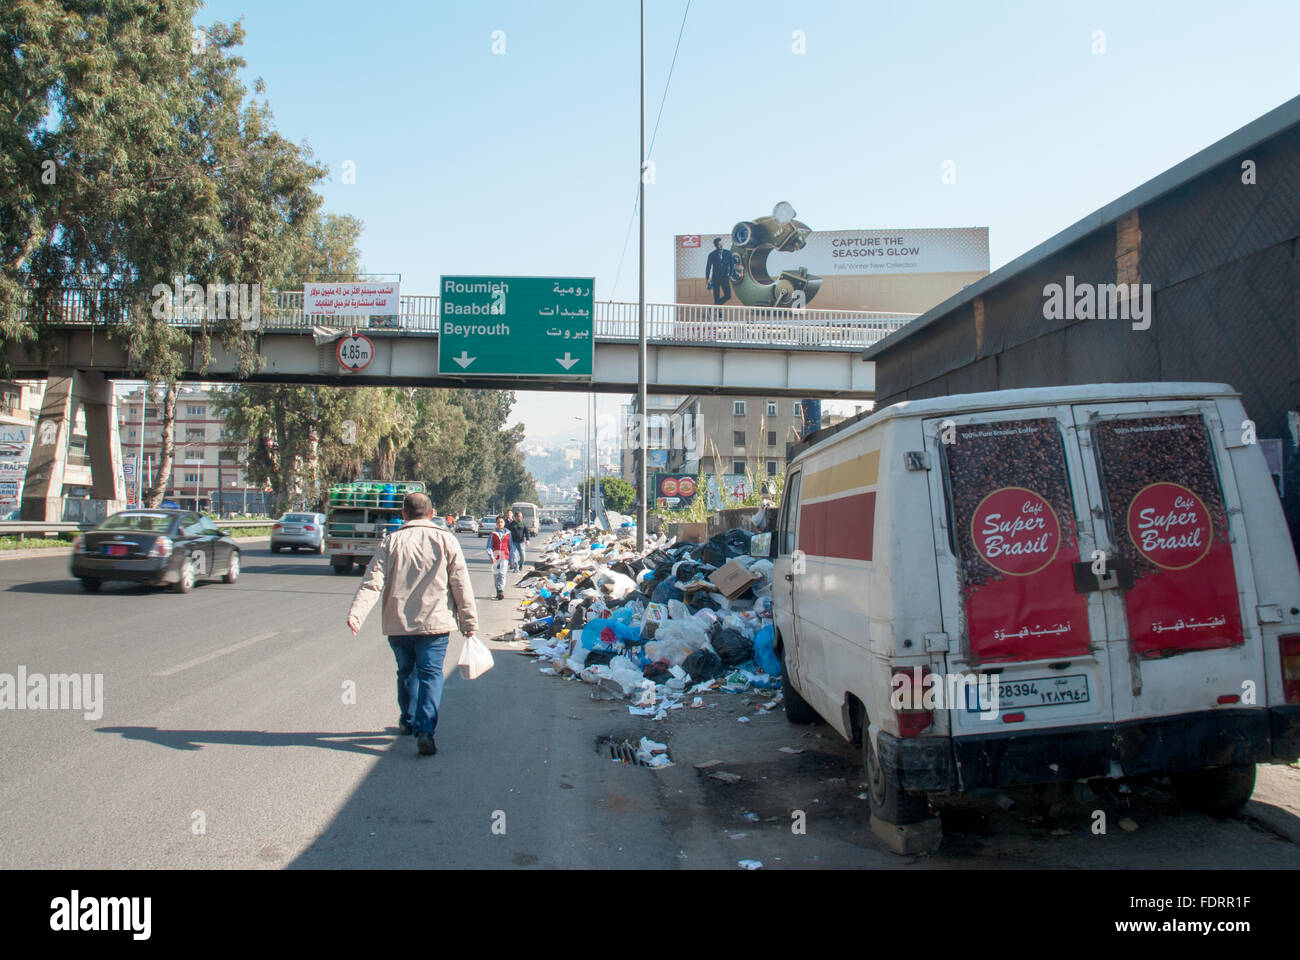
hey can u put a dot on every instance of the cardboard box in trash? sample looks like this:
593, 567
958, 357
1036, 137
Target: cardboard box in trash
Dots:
688, 532
732, 579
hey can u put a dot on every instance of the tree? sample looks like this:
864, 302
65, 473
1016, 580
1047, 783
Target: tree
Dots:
130, 163
618, 494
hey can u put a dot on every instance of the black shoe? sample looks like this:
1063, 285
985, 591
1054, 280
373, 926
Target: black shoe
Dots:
404, 728
500, 595
425, 742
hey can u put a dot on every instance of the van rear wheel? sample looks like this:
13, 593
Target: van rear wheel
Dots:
797, 709
1220, 791
888, 802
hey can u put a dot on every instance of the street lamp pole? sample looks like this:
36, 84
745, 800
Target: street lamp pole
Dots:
139, 463
640, 314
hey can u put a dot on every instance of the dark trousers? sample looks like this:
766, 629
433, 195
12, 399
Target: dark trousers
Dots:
721, 290
420, 678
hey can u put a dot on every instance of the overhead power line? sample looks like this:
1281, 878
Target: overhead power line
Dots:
636, 198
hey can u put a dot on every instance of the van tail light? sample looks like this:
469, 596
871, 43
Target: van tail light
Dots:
162, 548
1290, 667
908, 687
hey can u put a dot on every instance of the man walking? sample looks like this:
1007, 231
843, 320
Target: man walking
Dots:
518, 540
499, 548
420, 574
717, 273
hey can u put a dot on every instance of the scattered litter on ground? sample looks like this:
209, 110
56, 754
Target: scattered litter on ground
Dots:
790, 750
751, 864
676, 621
725, 777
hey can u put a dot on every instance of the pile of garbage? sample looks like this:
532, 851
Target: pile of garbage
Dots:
658, 628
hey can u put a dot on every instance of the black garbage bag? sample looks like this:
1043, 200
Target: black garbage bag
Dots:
598, 658
722, 547
535, 628
733, 647
670, 589
658, 672
702, 600
663, 571
577, 617
687, 571
703, 665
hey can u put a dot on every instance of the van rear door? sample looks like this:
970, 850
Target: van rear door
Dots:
1183, 637
1012, 534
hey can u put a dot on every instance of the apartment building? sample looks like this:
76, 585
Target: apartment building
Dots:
203, 470
659, 410
734, 435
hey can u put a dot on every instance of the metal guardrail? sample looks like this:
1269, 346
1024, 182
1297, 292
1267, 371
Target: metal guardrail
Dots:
37, 527
615, 321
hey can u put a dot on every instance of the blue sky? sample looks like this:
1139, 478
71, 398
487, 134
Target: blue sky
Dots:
525, 163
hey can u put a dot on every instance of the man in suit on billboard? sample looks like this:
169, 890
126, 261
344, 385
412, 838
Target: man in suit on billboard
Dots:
717, 272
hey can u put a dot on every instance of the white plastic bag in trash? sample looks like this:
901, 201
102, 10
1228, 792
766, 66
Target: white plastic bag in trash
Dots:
475, 659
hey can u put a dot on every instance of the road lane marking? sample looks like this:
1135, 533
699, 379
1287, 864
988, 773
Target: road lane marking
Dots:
214, 654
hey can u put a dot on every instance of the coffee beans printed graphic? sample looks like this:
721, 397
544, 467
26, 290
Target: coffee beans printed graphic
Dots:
1137, 453
991, 456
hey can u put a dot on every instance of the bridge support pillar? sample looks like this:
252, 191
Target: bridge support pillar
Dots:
65, 391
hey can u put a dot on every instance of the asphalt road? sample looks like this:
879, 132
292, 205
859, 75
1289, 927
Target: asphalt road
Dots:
244, 726
226, 739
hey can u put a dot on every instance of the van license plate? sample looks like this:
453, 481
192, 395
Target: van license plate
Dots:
1018, 694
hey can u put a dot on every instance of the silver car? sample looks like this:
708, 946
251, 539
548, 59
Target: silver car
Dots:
300, 531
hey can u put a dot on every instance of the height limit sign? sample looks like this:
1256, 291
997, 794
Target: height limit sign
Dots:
515, 326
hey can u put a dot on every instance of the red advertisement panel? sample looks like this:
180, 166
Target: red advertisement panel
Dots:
1017, 541
1167, 518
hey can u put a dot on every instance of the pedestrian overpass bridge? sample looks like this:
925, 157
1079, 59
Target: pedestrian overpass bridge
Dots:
741, 351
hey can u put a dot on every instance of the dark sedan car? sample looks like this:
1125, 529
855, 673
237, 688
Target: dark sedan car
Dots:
176, 547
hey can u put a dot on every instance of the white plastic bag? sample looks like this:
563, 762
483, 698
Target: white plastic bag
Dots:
475, 659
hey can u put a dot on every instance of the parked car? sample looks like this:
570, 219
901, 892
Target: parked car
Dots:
176, 547
1099, 578
299, 531
440, 522
466, 525
486, 525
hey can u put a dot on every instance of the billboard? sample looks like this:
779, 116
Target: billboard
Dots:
673, 490
15, 449
778, 261
348, 299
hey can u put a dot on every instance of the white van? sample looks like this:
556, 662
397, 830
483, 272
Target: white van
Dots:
530, 514
1040, 585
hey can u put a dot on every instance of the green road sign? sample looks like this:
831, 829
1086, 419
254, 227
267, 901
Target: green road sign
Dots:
517, 326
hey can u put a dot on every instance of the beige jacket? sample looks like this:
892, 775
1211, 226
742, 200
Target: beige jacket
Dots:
421, 574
